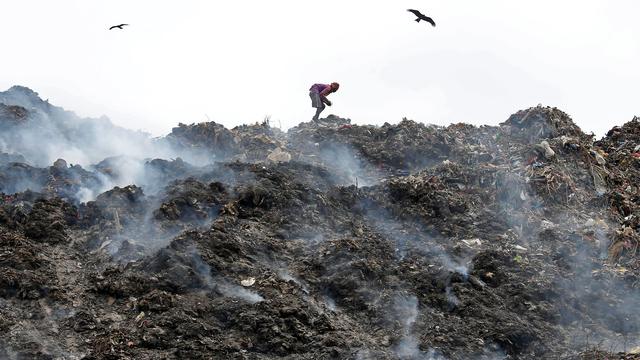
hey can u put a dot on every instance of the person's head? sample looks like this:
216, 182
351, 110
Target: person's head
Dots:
334, 86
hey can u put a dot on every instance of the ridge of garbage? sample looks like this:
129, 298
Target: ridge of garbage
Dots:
330, 240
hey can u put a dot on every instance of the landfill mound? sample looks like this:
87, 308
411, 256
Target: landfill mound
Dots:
329, 241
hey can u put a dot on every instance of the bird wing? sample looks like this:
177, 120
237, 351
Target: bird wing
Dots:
118, 26
415, 12
429, 20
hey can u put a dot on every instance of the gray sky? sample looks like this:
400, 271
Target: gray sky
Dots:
237, 61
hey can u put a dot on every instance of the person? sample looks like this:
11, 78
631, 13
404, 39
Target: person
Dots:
318, 94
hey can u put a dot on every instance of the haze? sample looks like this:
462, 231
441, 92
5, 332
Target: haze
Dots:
237, 62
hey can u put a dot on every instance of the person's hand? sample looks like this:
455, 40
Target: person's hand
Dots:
328, 102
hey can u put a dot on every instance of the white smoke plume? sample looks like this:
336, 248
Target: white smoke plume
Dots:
218, 282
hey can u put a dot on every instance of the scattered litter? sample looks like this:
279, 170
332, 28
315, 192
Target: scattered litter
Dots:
472, 242
248, 282
167, 251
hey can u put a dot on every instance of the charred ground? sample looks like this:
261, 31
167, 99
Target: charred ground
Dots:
330, 241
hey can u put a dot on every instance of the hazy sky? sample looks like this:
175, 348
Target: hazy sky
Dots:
237, 61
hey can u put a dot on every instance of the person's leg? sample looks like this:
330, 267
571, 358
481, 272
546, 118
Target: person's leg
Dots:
318, 111
316, 102
312, 95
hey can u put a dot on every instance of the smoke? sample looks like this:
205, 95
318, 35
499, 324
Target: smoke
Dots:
38, 134
598, 304
238, 292
347, 165
405, 309
593, 302
38, 343
48, 136
8, 354
85, 194
601, 308
492, 352
365, 354
452, 300
218, 283
408, 348
410, 237
286, 276
139, 226
330, 302
16, 179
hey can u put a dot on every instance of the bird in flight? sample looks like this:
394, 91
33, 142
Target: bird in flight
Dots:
118, 26
421, 16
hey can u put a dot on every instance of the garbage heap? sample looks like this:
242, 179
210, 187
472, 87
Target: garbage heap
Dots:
331, 241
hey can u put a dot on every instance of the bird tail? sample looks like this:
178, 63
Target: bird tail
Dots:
418, 20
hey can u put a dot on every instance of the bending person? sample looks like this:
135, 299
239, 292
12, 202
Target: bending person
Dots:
318, 94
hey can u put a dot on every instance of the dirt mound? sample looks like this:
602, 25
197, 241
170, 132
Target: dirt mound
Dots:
538, 123
60, 180
208, 137
12, 115
404, 146
620, 150
331, 241
257, 141
190, 200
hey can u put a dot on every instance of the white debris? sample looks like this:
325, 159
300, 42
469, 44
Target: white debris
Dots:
546, 225
248, 282
279, 155
520, 248
472, 242
548, 151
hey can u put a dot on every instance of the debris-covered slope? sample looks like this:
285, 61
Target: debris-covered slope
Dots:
329, 241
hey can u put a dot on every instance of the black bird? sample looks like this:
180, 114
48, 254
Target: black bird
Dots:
118, 26
421, 16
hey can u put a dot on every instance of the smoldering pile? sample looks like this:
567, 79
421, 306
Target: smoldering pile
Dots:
330, 241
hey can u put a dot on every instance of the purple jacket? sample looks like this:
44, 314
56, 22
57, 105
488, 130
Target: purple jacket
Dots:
318, 88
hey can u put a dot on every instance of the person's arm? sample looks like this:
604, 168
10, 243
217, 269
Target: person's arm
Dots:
324, 93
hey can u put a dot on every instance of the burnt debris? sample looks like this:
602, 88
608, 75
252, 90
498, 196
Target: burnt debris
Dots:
331, 240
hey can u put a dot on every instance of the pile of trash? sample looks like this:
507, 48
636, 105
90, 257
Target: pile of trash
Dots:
203, 138
12, 115
620, 151
331, 240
